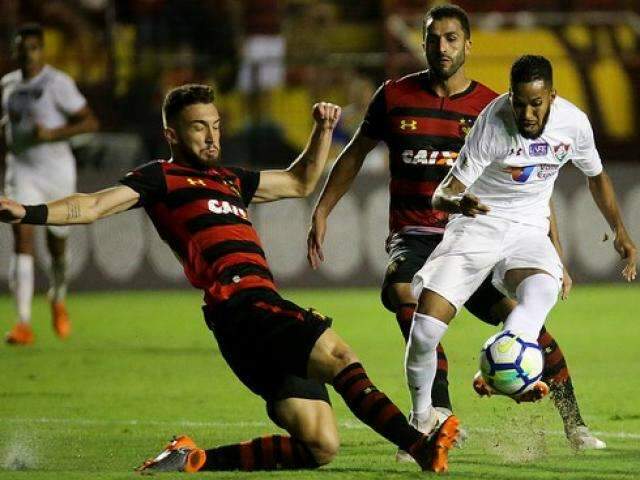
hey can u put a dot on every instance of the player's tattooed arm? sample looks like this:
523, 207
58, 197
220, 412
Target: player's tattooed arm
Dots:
73, 210
79, 208
450, 196
302, 176
604, 195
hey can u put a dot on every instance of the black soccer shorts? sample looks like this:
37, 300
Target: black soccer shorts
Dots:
267, 340
407, 255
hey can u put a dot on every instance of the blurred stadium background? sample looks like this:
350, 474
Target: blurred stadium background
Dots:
270, 60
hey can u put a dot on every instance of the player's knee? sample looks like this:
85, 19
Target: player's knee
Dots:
395, 295
421, 340
343, 356
433, 304
325, 446
550, 289
541, 289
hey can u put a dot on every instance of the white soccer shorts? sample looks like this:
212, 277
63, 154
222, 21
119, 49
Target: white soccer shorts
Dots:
32, 189
473, 247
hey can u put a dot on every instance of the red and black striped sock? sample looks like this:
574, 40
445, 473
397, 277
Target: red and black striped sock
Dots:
440, 390
373, 407
404, 317
266, 453
556, 375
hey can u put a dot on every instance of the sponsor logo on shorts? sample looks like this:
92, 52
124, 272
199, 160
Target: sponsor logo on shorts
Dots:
538, 149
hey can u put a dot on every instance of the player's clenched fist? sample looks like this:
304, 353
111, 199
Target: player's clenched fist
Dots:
10, 211
326, 114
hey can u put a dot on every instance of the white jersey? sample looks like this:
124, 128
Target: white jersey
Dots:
47, 99
514, 175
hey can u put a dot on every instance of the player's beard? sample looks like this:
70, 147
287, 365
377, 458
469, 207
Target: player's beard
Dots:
195, 160
445, 74
532, 136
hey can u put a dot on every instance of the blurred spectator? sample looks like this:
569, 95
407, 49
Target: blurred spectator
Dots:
261, 142
263, 48
360, 90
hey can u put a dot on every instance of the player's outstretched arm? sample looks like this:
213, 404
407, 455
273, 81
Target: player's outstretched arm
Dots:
343, 172
302, 176
604, 195
450, 197
79, 208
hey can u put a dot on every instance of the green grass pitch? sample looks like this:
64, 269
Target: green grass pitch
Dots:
142, 366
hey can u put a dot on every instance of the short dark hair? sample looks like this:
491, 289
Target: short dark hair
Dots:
30, 30
180, 97
447, 11
529, 68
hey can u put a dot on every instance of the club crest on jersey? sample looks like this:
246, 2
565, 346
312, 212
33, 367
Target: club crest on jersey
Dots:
561, 151
222, 207
197, 181
464, 126
232, 186
538, 149
408, 125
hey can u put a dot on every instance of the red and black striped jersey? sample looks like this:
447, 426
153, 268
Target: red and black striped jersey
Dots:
424, 133
202, 215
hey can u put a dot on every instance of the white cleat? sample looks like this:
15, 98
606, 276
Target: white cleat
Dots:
581, 438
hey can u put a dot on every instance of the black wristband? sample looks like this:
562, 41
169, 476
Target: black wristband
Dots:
35, 214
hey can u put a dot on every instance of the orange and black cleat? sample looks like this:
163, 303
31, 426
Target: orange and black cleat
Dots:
20, 334
539, 390
180, 455
60, 318
432, 452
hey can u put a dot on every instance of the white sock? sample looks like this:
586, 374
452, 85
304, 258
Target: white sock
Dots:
23, 285
58, 279
536, 296
421, 361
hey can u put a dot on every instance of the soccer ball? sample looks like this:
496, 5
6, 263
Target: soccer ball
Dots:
509, 364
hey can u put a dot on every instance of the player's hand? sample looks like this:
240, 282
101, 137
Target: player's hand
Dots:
43, 134
11, 211
470, 206
315, 239
326, 115
567, 283
627, 250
